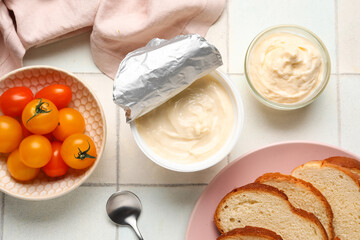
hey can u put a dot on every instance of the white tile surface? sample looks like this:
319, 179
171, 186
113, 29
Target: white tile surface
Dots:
218, 36
136, 168
350, 112
247, 18
102, 86
79, 215
166, 211
349, 31
263, 125
72, 54
2, 206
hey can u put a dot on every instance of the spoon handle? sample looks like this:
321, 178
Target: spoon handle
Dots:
133, 223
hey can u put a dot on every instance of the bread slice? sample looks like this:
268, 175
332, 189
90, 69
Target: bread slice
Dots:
342, 190
260, 205
250, 233
302, 195
352, 164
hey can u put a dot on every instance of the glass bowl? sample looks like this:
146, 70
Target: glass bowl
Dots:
302, 32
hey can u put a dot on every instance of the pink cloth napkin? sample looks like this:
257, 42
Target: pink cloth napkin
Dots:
118, 26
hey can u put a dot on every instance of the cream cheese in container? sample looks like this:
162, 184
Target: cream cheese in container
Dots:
149, 76
181, 124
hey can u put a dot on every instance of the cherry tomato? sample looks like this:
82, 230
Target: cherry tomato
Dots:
56, 167
49, 137
59, 94
70, 122
18, 169
14, 100
10, 134
25, 132
40, 116
78, 151
35, 151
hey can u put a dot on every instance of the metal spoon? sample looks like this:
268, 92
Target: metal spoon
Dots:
124, 208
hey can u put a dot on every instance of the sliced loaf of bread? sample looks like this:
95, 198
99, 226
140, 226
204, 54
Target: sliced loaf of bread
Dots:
352, 164
342, 190
260, 205
302, 195
250, 233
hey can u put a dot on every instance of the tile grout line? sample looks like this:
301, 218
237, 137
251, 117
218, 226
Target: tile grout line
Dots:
332, 74
164, 185
117, 120
89, 184
142, 184
348, 74
2, 216
117, 149
100, 73
337, 70
236, 74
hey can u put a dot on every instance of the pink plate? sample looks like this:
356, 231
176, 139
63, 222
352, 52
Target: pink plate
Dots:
281, 157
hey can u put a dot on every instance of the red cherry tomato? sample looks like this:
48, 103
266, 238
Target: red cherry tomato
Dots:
59, 94
56, 167
14, 100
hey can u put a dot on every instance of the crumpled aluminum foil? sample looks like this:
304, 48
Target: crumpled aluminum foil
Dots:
149, 76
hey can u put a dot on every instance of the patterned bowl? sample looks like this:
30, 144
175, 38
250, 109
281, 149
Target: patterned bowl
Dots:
83, 100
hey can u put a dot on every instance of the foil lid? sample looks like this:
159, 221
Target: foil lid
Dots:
149, 76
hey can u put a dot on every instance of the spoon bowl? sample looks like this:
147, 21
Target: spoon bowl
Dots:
124, 208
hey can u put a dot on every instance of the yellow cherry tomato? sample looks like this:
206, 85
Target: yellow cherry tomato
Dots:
70, 122
35, 151
40, 116
18, 169
78, 151
10, 134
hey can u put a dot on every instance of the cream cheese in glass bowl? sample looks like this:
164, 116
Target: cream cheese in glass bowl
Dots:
287, 67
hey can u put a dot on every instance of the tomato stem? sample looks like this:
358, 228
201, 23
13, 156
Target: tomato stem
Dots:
84, 154
39, 109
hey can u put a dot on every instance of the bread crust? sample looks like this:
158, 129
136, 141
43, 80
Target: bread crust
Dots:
350, 163
326, 163
269, 189
282, 177
251, 231
323, 163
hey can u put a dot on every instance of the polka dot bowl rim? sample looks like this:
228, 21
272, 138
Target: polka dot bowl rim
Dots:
88, 171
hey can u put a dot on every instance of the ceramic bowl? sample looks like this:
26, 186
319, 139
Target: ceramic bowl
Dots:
83, 100
219, 155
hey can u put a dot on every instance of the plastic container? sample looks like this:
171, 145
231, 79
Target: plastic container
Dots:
219, 155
